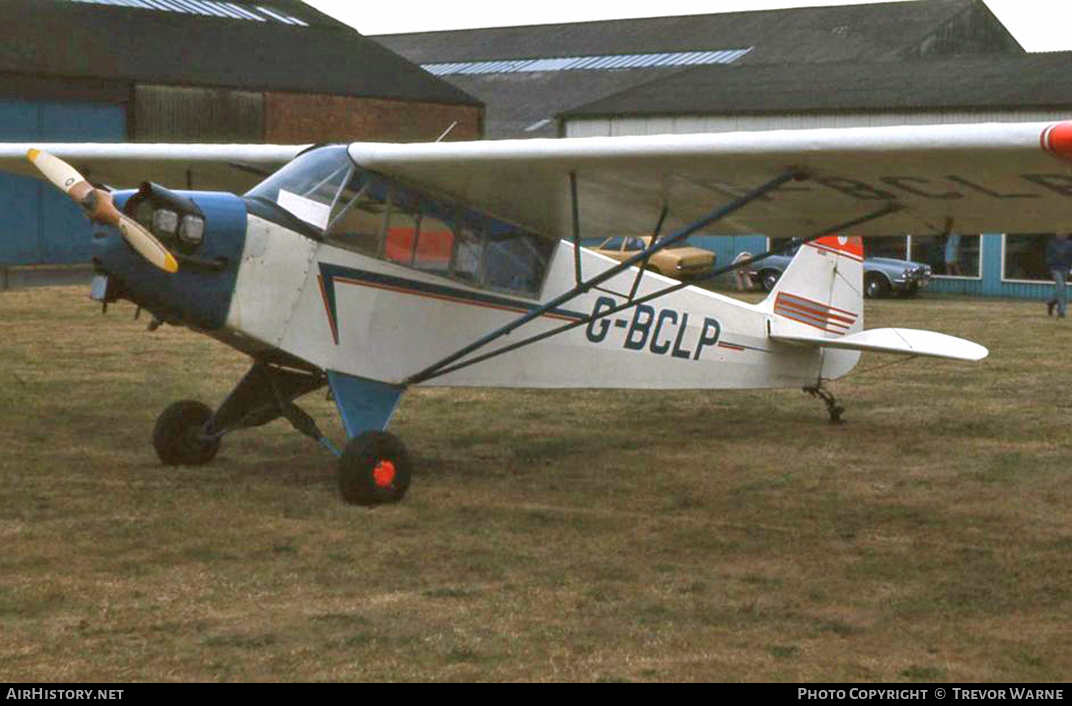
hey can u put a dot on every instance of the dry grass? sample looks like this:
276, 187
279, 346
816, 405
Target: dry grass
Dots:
548, 536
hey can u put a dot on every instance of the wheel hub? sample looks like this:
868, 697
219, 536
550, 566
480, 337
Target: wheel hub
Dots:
384, 474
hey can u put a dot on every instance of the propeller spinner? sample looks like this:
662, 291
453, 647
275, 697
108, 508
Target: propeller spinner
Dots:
99, 207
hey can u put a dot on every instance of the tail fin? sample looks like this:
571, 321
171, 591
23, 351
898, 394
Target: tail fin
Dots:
821, 294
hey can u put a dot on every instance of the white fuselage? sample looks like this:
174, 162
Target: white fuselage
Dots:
391, 321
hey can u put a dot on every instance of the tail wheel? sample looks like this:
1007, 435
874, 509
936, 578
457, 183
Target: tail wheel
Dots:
177, 436
374, 469
876, 286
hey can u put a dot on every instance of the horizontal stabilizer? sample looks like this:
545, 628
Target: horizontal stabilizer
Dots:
905, 341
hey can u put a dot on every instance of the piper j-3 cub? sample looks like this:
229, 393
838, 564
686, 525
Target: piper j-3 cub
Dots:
371, 268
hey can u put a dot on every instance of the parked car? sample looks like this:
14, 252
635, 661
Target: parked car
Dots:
882, 275
680, 260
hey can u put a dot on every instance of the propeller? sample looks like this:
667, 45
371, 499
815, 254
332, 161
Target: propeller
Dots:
100, 208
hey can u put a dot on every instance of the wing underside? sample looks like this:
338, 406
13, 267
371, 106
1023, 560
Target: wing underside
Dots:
974, 178
233, 168
998, 177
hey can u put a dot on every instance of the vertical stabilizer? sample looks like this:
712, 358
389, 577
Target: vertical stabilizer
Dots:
821, 292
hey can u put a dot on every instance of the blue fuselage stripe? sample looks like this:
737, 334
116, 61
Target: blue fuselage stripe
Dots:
332, 273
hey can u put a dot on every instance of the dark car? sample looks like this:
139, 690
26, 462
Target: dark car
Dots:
882, 275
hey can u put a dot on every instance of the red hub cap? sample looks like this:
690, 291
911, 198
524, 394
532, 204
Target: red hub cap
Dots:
384, 474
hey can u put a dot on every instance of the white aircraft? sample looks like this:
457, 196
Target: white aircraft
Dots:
374, 267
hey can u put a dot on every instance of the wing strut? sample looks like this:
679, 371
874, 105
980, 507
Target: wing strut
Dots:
443, 369
576, 208
644, 264
736, 204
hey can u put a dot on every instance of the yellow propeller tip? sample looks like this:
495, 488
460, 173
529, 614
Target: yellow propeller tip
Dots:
171, 264
31, 154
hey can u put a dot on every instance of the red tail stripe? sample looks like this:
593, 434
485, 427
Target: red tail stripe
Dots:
798, 315
820, 312
799, 299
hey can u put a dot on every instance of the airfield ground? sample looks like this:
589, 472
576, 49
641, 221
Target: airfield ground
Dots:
584, 535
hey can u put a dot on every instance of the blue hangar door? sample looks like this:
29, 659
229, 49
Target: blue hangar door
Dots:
38, 224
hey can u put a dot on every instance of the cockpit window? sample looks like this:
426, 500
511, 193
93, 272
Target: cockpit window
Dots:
365, 212
313, 187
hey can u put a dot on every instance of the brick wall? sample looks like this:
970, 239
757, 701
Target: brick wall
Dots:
302, 117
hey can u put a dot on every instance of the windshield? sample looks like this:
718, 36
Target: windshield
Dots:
310, 187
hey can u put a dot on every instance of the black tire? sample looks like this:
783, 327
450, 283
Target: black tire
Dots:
374, 469
769, 278
177, 435
876, 286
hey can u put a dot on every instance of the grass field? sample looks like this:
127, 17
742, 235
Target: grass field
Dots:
586, 535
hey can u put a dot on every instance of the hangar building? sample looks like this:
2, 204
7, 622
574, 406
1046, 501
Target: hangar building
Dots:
924, 62
964, 89
526, 76
193, 71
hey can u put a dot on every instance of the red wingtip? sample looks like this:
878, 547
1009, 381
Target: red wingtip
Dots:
1057, 139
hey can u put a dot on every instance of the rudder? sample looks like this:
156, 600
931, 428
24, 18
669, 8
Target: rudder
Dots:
821, 291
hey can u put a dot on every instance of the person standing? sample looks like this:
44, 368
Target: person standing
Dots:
1059, 261
740, 274
952, 254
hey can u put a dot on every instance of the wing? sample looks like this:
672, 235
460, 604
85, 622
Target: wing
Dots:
207, 167
985, 177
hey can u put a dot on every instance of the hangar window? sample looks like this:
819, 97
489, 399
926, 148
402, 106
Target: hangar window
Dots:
895, 247
1025, 257
952, 255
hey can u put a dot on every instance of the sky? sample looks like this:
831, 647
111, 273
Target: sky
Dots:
1039, 25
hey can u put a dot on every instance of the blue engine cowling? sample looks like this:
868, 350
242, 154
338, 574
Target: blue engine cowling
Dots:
199, 294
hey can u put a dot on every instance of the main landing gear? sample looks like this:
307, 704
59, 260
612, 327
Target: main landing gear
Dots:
178, 435
374, 467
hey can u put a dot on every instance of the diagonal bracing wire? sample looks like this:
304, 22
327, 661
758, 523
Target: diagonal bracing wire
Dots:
445, 368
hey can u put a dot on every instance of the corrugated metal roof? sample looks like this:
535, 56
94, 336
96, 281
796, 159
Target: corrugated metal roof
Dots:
888, 31
206, 8
977, 82
292, 48
531, 100
807, 34
578, 63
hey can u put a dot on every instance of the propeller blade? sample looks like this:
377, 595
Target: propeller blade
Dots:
99, 207
62, 175
146, 244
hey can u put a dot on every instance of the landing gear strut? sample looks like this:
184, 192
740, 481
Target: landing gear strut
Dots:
832, 407
373, 469
188, 433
